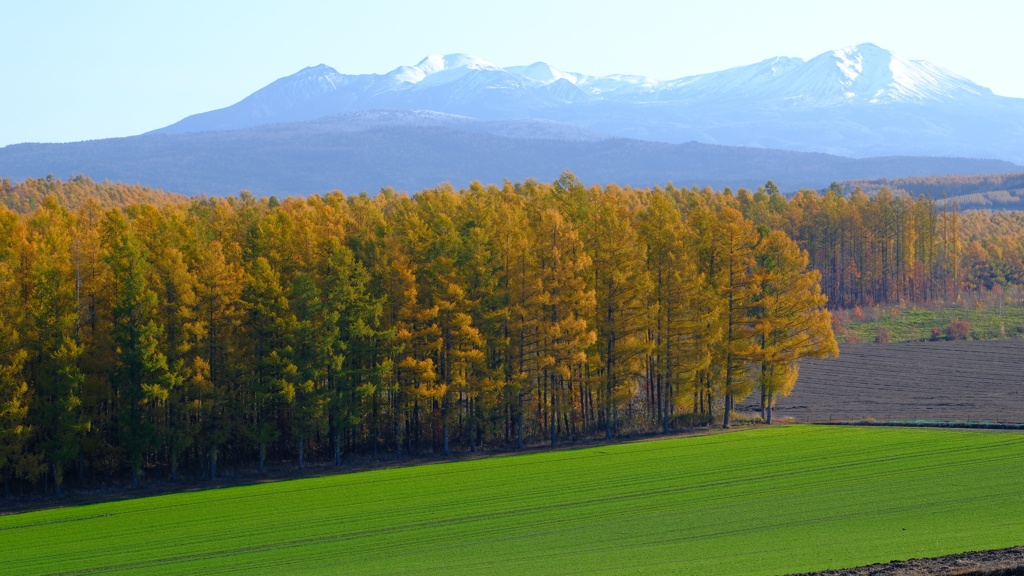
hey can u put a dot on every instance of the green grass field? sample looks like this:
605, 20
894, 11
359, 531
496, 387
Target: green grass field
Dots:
762, 501
915, 323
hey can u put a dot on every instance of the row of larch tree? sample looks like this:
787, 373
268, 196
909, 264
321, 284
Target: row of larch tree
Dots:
160, 339
891, 248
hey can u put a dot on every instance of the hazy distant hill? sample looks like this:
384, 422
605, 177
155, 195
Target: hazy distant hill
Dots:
858, 101
413, 150
979, 191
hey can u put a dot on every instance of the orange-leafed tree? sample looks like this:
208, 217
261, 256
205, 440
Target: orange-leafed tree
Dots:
564, 325
680, 307
14, 391
622, 286
790, 319
737, 287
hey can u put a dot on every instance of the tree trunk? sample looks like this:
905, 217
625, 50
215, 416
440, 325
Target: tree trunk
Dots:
768, 409
337, 447
174, 465
586, 411
332, 433
665, 410
136, 451
519, 422
263, 457
58, 479
470, 422
609, 402
554, 428
213, 462
608, 415
445, 427
764, 387
416, 427
302, 460
764, 406
398, 434
554, 401
728, 410
375, 429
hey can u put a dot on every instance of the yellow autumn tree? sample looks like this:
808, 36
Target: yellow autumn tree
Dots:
737, 288
791, 321
680, 308
14, 391
621, 285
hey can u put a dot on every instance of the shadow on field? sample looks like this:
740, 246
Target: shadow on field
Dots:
288, 471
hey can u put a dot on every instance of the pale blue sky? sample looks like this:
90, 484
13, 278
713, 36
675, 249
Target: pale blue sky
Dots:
72, 70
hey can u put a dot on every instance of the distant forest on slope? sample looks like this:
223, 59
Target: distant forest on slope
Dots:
326, 155
967, 192
143, 337
26, 196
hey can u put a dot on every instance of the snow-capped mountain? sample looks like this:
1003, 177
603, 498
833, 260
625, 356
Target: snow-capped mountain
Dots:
868, 74
860, 101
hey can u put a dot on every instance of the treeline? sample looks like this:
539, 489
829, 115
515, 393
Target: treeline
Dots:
872, 246
937, 187
993, 249
177, 339
892, 248
24, 197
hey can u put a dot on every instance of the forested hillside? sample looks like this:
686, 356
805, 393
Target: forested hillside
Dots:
977, 191
411, 152
153, 338
26, 196
939, 186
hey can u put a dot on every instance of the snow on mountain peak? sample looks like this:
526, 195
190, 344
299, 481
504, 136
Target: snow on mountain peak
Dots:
738, 81
315, 74
850, 63
318, 72
867, 73
856, 100
309, 81
864, 74
436, 64
318, 69
543, 73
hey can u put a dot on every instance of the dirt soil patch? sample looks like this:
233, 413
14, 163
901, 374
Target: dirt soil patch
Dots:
976, 381
1004, 562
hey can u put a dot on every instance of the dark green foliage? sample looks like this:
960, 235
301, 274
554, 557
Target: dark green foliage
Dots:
139, 372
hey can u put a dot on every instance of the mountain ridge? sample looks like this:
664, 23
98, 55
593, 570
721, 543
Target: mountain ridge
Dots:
851, 114
365, 151
860, 101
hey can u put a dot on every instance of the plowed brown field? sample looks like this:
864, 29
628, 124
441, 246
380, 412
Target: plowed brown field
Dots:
944, 381
1005, 562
